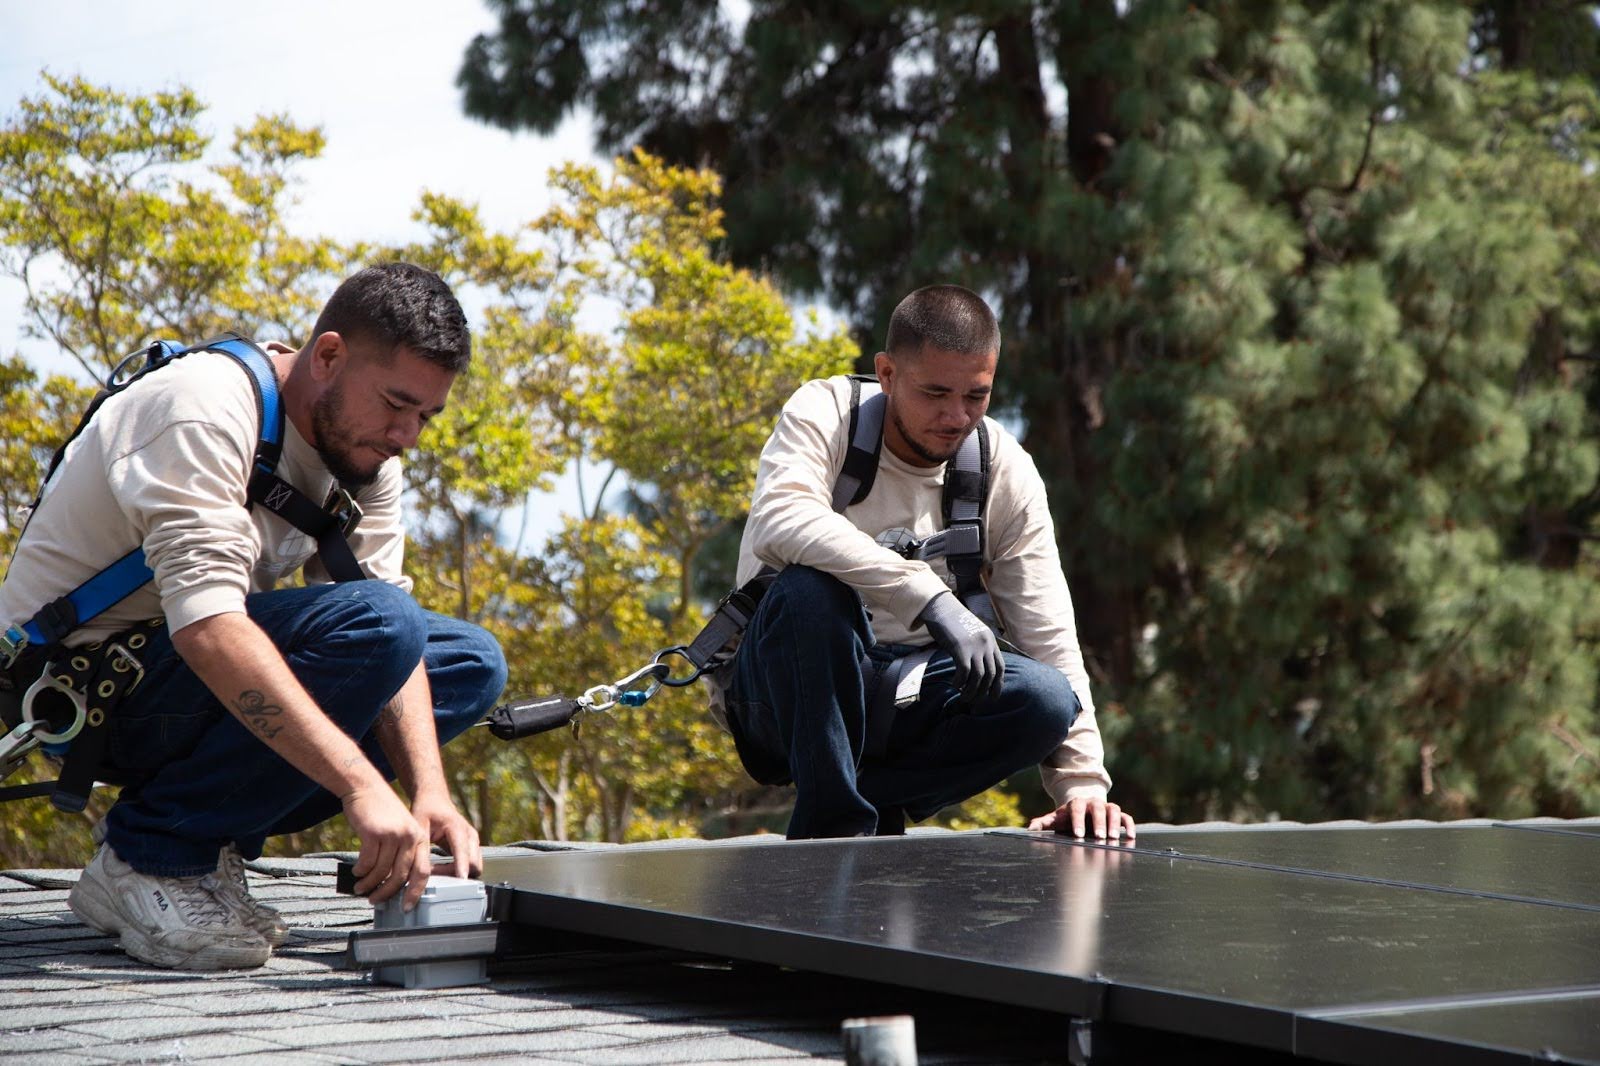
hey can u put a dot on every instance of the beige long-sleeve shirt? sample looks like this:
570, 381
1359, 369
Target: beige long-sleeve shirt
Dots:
792, 521
164, 465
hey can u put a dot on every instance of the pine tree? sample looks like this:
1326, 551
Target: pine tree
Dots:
1296, 302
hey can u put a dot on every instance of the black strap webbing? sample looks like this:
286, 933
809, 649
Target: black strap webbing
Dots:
966, 489
728, 620
860, 469
104, 672
882, 680
327, 528
22, 792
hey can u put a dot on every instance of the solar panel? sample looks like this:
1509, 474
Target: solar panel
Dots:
1239, 946
1554, 868
1584, 829
1548, 1028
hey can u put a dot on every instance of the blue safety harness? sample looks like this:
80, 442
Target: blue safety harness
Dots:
93, 679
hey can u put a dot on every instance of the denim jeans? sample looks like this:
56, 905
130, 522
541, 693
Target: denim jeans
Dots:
798, 707
196, 779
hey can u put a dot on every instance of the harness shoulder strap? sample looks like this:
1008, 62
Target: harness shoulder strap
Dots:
116, 582
966, 492
866, 440
111, 586
328, 527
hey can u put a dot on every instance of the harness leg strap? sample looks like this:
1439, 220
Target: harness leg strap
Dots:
112, 675
891, 686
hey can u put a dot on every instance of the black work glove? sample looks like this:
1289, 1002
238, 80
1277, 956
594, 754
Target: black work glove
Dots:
960, 635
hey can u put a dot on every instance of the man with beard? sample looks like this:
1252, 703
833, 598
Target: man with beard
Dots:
815, 693
264, 710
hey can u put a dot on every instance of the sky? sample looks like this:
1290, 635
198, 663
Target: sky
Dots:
378, 77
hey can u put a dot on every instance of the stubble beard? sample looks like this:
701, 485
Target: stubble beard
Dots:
922, 451
331, 443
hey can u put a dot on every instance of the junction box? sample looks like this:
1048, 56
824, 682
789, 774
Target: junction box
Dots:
446, 901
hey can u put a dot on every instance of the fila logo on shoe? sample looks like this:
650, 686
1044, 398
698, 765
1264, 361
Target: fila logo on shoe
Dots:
161, 900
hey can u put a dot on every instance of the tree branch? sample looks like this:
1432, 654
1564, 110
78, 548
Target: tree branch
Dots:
1377, 109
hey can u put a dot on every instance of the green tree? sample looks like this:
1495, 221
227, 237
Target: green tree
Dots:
35, 416
1296, 299
608, 332
677, 398
119, 233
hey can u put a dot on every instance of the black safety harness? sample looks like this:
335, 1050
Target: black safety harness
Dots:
59, 697
891, 682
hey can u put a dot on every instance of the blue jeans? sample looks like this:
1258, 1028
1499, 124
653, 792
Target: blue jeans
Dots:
196, 779
798, 707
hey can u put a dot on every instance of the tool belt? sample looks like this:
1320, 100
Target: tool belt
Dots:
61, 700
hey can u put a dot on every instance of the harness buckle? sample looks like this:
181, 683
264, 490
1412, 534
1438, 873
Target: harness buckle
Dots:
51, 682
122, 660
344, 509
962, 539
12, 643
736, 605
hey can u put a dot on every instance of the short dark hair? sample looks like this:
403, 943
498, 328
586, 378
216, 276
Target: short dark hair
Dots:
400, 304
945, 316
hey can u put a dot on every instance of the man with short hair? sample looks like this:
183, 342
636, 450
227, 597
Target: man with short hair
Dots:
264, 710
805, 697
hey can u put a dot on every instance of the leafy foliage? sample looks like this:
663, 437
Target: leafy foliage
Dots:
119, 234
609, 333
34, 417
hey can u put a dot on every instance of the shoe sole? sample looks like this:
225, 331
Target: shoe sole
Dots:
90, 902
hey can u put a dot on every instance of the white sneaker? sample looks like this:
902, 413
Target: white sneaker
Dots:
175, 922
234, 890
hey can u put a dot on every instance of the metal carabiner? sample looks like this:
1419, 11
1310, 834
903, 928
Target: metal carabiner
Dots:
599, 698
605, 697
59, 683
15, 747
652, 673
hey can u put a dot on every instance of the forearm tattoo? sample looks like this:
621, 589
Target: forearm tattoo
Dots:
258, 714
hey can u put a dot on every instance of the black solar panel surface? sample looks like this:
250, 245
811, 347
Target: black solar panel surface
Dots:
1489, 860
1564, 1029
1256, 931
